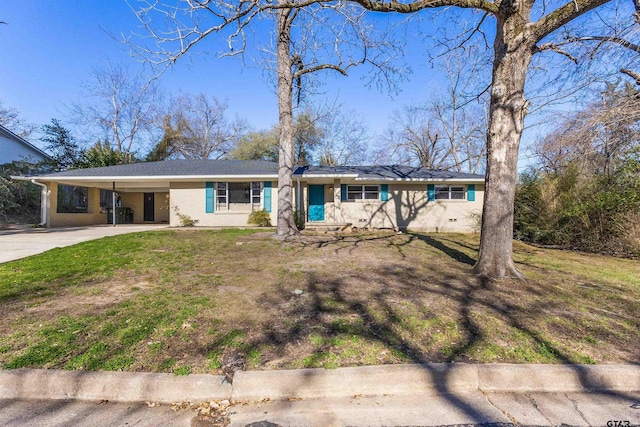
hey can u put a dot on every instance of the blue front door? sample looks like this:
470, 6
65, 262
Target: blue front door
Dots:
316, 203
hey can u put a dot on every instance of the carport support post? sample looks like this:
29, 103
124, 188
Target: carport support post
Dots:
113, 202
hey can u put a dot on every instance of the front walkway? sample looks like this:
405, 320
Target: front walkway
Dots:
22, 242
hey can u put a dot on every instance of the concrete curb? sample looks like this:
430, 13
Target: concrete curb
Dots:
112, 386
437, 378
507, 378
366, 380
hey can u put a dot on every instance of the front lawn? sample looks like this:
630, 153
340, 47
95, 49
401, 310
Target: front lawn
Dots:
204, 301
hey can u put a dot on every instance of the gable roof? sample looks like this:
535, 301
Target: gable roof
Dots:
385, 173
10, 135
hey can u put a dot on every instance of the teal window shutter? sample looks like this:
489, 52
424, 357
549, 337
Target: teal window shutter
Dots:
343, 192
210, 196
431, 192
384, 192
471, 192
267, 196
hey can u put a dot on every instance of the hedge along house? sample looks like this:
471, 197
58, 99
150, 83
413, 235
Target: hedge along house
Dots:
224, 192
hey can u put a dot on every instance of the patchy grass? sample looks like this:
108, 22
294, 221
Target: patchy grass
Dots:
195, 301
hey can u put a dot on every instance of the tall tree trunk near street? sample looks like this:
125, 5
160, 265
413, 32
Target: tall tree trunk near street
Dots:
513, 49
286, 221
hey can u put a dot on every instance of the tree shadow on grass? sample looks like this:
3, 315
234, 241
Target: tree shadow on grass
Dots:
448, 250
376, 306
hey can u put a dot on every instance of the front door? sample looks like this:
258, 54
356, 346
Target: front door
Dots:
316, 203
148, 207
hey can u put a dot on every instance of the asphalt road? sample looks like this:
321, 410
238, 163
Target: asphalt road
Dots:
469, 409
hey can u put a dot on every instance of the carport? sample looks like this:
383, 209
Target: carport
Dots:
138, 200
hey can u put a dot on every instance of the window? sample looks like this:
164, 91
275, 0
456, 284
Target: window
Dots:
73, 199
255, 194
449, 192
238, 196
363, 192
221, 196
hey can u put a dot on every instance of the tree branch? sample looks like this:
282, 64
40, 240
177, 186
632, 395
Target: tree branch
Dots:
304, 71
394, 6
632, 74
555, 48
563, 15
613, 39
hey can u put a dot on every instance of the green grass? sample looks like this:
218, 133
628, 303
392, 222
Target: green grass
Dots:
191, 301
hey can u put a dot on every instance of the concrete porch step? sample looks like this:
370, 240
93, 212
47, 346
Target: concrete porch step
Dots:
326, 227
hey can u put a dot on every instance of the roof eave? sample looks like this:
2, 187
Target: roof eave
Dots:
421, 179
54, 178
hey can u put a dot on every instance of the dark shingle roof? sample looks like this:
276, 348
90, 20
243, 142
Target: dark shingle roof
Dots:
178, 168
393, 172
204, 168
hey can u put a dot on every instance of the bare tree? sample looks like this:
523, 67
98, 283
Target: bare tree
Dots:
200, 129
597, 139
119, 107
460, 114
300, 51
448, 131
10, 119
344, 139
522, 28
413, 138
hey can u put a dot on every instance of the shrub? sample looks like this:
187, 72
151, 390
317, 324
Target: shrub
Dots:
185, 220
260, 218
19, 200
597, 212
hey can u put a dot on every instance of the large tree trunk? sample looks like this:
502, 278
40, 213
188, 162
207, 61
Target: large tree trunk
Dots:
513, 52
286, 220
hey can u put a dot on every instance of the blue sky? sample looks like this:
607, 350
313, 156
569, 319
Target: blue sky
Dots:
49, 48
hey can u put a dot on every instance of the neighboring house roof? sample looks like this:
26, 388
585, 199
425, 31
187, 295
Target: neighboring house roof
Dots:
385, 173
27, 146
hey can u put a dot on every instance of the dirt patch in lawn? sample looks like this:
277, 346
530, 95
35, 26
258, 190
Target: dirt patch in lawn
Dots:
76, 301
80, 301
201, 301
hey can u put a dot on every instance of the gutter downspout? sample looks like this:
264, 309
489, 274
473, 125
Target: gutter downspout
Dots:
44, 193
113, 203
298, 208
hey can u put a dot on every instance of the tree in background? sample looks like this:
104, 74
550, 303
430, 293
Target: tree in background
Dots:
307, 137
10, 119
197, 127
414, 139
586, 193
102, 154
448, 130
121, 108
260, 145
62, 146
19, 200
331, 137
344, 139
66, 153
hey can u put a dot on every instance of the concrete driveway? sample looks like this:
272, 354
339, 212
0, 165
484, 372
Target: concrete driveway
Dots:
22, 242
